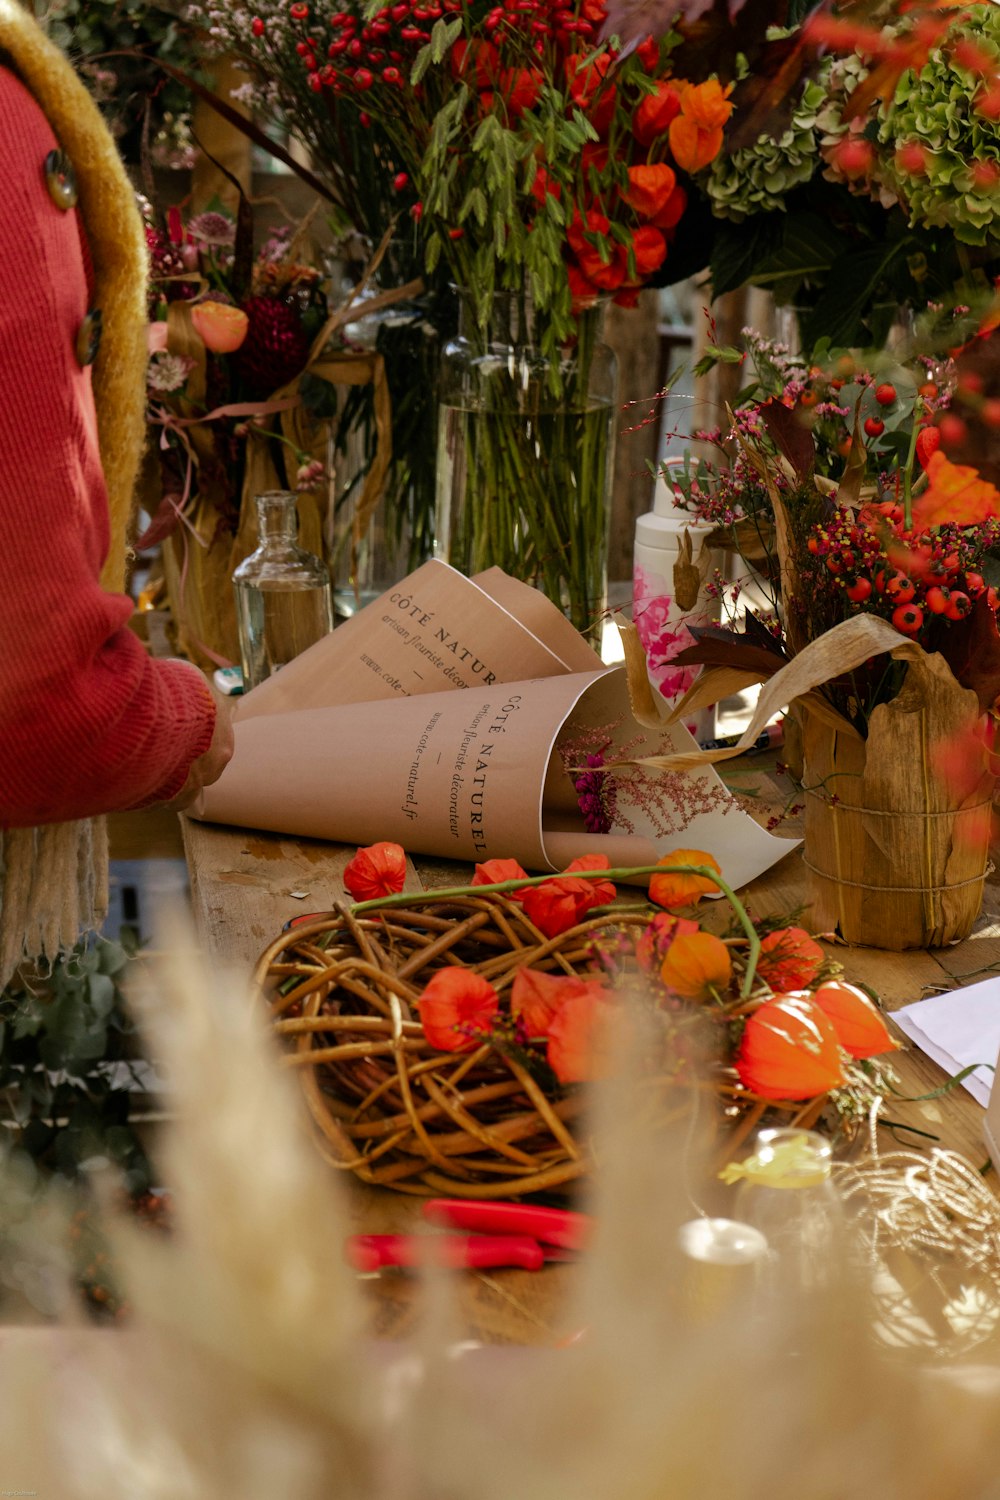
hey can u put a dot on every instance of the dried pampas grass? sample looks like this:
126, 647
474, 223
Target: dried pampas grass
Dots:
244, 1371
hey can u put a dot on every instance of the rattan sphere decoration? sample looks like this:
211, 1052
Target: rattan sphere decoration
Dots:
342, 992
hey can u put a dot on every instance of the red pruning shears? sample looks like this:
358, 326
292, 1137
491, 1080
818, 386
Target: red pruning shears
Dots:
479, 1236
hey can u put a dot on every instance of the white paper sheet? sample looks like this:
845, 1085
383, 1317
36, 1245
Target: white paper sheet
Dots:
958, 1030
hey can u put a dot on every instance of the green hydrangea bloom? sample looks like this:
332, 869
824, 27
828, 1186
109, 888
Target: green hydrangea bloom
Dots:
756, 179
840, 76
958, 185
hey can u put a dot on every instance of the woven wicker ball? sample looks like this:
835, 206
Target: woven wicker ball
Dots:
387, 1106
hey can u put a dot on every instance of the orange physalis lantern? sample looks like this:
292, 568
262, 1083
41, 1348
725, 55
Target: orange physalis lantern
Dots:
535, 996
658, 934
494, 871
378, 870
676, 888
789, 1050
580, 1038
697, 963
860, 1028
457, 1009
789, 959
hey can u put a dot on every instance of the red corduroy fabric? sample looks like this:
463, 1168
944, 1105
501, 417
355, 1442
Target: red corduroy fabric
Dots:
88, 722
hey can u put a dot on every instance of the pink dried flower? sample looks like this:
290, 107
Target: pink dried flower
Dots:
212, 229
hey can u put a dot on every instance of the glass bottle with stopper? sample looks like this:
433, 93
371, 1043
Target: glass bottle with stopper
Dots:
284, 601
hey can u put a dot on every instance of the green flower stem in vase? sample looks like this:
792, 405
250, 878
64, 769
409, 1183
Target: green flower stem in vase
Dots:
525, 446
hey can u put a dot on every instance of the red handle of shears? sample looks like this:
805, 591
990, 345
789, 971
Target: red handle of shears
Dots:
457, 1252
553, 1226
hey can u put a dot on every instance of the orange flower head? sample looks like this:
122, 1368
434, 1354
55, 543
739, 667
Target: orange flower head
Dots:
535, 996
654, 113
476, 61
657, 936
967, 759
789, 1050
457, 1008
696, 966
586, 79
378, 870
672, 211
853, 157
584, 292
607, 274
650, 250
860, 1028
221, 327
789, 959
519, 89
494, 871
581, 1038
679, 889
987, 102
985, 178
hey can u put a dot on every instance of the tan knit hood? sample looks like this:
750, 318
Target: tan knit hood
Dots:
53, 881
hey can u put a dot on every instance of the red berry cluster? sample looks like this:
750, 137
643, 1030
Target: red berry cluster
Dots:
346, 53
913, 579
507, 56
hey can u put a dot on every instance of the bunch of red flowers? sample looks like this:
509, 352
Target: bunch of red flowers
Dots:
522, 138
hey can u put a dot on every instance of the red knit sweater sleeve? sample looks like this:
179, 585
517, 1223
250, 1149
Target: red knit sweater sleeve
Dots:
88, 722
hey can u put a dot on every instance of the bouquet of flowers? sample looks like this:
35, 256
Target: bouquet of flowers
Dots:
354, 161
543, 170
535, 986
883, 624
878, 184
839, 476
231, 402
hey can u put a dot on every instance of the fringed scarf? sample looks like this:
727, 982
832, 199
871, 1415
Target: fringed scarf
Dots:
54, 880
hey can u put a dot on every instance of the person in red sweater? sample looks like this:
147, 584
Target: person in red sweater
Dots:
89, 723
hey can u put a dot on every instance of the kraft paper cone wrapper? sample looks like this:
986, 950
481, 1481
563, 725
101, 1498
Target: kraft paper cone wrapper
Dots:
474, 775
467, 772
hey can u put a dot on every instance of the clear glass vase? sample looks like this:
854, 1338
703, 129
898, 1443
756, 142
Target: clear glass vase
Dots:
398, 534
525, 452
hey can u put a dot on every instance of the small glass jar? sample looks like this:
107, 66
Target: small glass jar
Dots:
786, 1191
284, 602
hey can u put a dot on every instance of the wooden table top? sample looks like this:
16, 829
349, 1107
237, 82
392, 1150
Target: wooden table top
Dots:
246, 884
